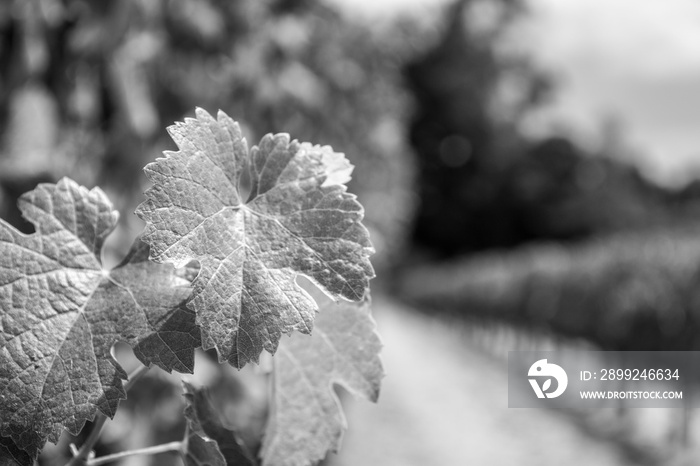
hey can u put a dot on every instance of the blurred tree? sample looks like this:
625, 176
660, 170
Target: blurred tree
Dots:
461, 145
482, 184
559, 192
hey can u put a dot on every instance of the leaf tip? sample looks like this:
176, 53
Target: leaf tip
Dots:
202, 114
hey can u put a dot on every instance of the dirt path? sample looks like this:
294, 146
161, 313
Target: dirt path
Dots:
444, 403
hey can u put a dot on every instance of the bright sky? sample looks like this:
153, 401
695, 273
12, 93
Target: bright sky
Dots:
637, 61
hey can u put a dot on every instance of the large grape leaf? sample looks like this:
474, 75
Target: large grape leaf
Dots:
207, 440
297, 219
61, 312
306, 419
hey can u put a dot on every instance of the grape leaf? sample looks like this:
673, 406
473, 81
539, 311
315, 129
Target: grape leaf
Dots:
297, 219
61, 314
306, 419
10, 455
207, 441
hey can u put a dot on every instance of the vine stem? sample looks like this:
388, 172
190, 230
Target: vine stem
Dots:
166, 447
134, 376
81, 459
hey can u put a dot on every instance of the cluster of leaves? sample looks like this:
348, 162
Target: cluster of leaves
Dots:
253, 219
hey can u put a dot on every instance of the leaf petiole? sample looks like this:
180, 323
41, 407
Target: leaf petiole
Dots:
154, 450
134, 376
81, 458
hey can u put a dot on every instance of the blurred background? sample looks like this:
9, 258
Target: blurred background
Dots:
529, 170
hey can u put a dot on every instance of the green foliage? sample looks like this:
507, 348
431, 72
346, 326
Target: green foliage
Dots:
254, 220
207, 440
297, 219
305, 419
11, 455
61, 314
631, 292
